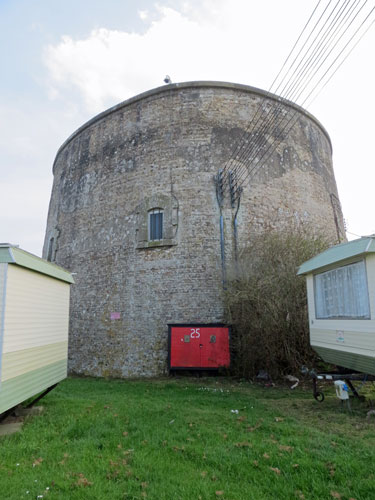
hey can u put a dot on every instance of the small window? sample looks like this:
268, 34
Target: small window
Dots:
342, 293
155, 224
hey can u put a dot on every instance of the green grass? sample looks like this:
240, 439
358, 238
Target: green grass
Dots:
178, 439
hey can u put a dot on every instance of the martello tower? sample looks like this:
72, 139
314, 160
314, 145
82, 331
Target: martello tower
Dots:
134, 213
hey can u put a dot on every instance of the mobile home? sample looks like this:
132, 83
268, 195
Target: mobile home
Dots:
34, 316
341, 304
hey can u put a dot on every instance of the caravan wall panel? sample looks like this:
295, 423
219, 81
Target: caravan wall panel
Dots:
37, 310
35, 335
16, 390
345, 342
25, 360
3, 270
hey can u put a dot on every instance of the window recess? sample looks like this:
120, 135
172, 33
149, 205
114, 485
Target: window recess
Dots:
157, 221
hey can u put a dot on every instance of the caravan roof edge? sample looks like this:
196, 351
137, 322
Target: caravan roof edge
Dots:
339, 253
12, 254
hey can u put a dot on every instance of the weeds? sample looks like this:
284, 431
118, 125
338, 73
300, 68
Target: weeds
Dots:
266, 303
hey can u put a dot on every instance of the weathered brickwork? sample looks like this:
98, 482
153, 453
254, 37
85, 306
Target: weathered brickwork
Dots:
162, 150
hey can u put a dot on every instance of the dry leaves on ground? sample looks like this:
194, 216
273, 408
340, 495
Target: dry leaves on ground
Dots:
276, 470
336, 494
244, 444
255, 427
283, 447
66, 455
83, 481
332, 468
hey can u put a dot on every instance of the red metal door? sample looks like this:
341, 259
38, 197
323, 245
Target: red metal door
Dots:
195, 346
215, 347
185, 347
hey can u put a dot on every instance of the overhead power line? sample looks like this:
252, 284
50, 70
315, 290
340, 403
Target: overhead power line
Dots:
280, 112
279, 117
330, 35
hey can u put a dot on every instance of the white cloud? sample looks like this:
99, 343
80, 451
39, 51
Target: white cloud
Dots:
110, 66
230, 40
223, 42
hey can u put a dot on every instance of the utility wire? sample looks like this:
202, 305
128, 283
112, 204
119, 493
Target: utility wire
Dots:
326, 57
259, 118
341, 63
258, 134
307, 50
294, 46
256, 146
315, 57
348, 42
281, 109
278, 120
259, 141
277, 76
341, 52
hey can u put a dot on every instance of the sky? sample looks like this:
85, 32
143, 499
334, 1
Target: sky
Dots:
63, 62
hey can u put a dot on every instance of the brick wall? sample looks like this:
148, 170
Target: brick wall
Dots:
164, 147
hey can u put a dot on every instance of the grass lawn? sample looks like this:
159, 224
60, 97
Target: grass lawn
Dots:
178, 438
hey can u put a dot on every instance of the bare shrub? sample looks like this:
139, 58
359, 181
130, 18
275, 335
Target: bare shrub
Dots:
266, 303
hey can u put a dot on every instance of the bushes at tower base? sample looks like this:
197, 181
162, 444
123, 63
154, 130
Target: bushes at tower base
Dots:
266, 303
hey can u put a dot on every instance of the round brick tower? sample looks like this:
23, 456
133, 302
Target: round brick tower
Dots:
134, 212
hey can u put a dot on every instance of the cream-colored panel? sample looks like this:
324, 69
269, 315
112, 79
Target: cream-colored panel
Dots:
370, 266
349, 359
3, 270
36, 311
340, 338
310, 297
345, 349
350, 325
2, 280
20, 362
16, 390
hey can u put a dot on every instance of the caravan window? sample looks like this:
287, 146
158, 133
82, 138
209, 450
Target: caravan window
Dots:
342, 293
